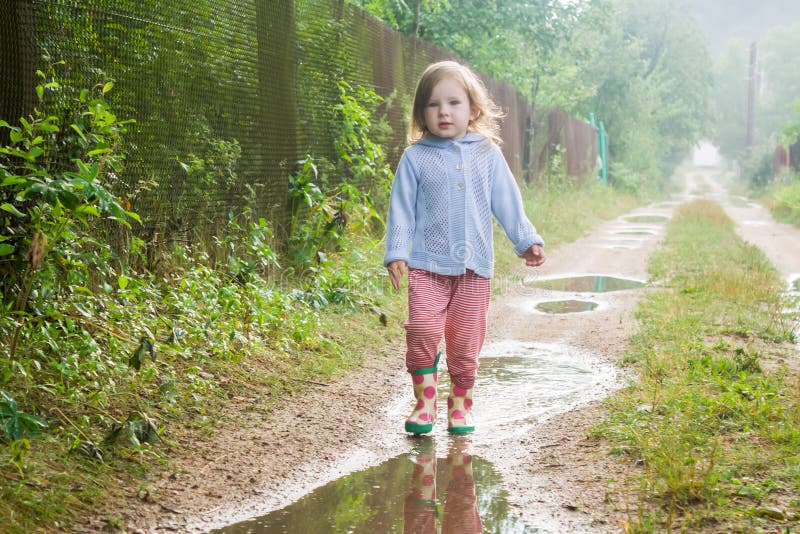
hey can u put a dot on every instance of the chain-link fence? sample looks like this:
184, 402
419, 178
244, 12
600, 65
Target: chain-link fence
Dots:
228, 96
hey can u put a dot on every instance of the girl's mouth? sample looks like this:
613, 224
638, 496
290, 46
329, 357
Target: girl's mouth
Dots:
445, 124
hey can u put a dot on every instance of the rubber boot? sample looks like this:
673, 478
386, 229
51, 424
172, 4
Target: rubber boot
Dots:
422, 418
459, 410
461, 503
419, 511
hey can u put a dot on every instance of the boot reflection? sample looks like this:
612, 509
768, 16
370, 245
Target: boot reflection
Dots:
461, 503
419, 511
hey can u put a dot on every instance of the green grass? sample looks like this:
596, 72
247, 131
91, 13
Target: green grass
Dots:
785, 203
714, 418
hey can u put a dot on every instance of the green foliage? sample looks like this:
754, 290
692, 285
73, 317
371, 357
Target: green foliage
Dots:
758, 166
335, 200
705, 399
641, 67
57, 175
786, 205
775, 103
17, 424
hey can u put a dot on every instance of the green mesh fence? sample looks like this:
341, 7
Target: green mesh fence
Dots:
227, 95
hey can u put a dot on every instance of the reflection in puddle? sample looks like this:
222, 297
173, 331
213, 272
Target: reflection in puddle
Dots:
566, 306
459, 494
636, 232
591, 283
646, 218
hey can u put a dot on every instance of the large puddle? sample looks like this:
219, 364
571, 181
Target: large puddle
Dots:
520, 385
586, 284
416, 493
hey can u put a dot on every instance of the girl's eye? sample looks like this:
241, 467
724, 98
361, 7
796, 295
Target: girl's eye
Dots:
432, 104
455, 102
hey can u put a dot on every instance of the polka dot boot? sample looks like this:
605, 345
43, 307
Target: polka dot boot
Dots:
459, 410
422, 418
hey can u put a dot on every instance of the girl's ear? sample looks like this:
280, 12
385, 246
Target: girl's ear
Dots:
474, 113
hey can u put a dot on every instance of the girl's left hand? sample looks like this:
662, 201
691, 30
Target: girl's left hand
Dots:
534, 256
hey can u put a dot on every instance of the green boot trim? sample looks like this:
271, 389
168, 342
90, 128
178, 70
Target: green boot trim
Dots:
418, 428
461, 429
428, 370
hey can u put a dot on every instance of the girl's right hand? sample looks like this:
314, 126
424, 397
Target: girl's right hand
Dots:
397, 270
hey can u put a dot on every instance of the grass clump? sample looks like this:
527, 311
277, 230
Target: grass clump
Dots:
713, 420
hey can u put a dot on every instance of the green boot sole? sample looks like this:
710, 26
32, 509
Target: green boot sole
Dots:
416, 428
461, 429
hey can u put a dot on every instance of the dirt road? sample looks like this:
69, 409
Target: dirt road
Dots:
556, 478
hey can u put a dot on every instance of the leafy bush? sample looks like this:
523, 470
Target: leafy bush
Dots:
787, 202
55, 177
335, 200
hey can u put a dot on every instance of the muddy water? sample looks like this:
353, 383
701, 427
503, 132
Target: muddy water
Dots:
588, 283
566, 306
417, 492
520, 384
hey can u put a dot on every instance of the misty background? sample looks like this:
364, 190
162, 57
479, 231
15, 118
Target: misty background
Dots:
745, 20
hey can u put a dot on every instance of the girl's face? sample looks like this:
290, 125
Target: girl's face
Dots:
448, 111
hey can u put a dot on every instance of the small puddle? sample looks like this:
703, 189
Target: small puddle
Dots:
589, 283
566, 306
418, 492
636, 232
646, 218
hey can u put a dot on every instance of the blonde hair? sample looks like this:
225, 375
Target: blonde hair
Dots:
487, 122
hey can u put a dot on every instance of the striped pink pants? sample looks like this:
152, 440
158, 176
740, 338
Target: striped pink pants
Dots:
451, 306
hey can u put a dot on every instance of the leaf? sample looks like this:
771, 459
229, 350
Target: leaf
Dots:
6, 249
69, 200
145, 347
78, 130
134, 216
13, 180
137, 358
87, 209
40, 92
11, 209
49, 128
107, 87
122, 281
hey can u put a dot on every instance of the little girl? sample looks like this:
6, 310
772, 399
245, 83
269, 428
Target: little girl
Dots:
450, 180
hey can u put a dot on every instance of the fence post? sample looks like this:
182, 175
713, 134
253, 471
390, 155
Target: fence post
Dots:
602, 148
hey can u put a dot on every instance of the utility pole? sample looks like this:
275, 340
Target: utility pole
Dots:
751, 95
